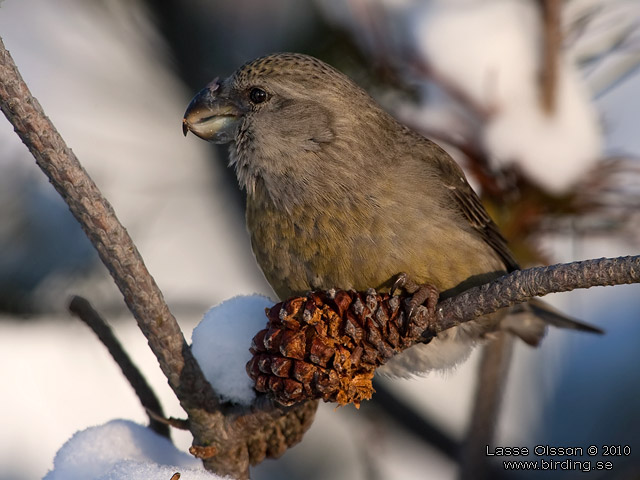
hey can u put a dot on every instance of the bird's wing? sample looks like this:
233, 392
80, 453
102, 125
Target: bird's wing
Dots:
469, 204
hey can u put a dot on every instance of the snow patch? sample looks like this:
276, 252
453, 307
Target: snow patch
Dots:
123, 450
221, 344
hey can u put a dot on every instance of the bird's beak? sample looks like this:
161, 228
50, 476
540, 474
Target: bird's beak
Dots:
212, 116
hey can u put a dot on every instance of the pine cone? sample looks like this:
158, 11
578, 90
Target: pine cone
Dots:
276, 435
328, 344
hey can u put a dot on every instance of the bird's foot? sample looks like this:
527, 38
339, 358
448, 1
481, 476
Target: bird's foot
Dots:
424, 294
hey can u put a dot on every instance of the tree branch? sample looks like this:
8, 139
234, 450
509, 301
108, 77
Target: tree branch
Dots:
84, 311
114, 245
521, 285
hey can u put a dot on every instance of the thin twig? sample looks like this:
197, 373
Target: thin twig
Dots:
179, 423
84, 311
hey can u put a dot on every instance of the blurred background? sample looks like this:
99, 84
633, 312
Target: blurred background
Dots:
545, 126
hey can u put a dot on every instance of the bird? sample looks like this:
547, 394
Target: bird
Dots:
340, 194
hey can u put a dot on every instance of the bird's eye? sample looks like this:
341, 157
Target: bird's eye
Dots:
257, 95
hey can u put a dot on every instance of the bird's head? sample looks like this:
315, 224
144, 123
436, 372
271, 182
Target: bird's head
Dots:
286, 115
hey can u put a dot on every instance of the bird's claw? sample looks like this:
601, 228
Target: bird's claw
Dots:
422, 294
426, 295
404, 282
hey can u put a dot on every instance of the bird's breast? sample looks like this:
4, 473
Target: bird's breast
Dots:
306, 247
361, 244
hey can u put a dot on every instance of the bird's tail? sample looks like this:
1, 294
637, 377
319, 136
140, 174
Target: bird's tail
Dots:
529, 321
